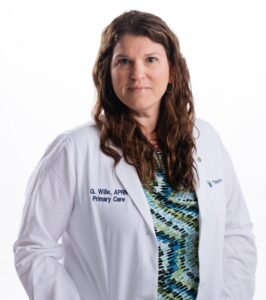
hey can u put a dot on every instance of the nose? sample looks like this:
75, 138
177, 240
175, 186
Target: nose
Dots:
137, 71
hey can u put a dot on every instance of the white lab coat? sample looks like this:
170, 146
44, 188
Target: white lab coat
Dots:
108, 249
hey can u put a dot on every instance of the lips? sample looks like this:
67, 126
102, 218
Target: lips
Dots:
138, 88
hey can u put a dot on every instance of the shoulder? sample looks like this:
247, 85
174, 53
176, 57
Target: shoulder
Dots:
72, 140
205, 131
204, 127
83, 134
207, 138
82, 131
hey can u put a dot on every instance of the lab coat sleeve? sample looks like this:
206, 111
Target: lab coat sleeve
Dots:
48, 206
240, 256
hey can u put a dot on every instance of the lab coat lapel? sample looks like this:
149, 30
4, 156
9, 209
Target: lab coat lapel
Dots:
200, 160
201, 188
128, 175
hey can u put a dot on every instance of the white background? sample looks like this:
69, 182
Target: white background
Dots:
47, 50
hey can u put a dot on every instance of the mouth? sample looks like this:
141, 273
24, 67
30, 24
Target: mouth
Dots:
138, 89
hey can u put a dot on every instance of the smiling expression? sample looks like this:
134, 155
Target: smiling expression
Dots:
140, 73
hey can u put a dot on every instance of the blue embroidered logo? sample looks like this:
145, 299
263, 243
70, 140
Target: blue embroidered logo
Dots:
214, 181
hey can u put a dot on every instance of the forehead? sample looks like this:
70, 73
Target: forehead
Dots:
129, 44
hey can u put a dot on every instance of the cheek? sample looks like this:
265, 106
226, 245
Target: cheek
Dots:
162, 74
118, 79
166, 81
118, 85
162, 81
166, 74
114, 78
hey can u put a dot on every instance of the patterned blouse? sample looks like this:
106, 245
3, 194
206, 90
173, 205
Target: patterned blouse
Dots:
175, 218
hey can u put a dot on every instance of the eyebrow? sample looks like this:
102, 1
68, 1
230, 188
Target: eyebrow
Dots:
148, 54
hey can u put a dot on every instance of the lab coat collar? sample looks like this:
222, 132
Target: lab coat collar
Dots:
128, 175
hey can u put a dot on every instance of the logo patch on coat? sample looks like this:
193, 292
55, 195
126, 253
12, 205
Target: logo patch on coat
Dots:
214, 181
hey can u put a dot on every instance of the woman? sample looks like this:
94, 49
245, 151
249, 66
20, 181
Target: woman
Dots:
145, 198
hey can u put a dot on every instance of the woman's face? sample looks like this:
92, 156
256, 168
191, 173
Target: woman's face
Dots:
140, 73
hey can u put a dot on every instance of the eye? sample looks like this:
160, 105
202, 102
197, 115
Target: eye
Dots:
152, 59
123, 61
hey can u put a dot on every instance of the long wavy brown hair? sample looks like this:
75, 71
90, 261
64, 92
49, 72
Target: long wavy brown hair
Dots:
175, 124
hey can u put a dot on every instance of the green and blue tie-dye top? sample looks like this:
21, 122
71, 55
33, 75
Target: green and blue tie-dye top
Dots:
175, 218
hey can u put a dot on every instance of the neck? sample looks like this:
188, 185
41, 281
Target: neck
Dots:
147, 126
148, 122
